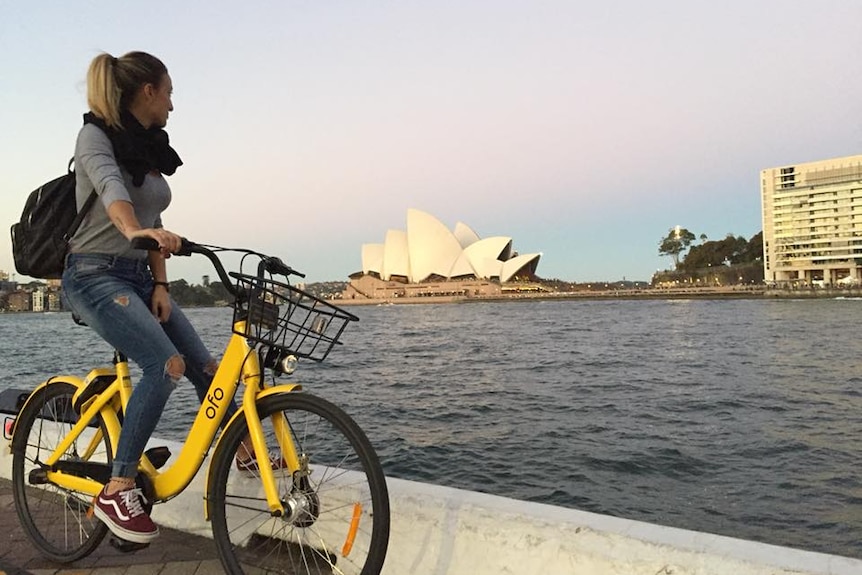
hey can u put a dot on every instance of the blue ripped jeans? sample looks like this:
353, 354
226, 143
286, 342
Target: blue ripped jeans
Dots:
112, 295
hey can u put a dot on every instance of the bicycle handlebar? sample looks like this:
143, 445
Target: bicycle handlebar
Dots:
268, 264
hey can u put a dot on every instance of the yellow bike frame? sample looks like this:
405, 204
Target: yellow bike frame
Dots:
239, 364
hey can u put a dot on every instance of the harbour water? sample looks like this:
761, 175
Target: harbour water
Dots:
739, 417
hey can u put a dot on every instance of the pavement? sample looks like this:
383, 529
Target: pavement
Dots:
173, 553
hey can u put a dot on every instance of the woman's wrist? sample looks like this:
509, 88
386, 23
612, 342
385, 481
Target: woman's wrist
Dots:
163, 284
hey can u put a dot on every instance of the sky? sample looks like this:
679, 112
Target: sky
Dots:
582, 130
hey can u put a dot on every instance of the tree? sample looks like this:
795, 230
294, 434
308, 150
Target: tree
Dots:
731, 250
755, 248
734, 249
728, 261
181, 291
219, 292
676, 242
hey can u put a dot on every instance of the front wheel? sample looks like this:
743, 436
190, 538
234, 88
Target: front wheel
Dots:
336, 505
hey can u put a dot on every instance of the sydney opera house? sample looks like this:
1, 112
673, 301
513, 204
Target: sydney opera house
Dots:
431, 260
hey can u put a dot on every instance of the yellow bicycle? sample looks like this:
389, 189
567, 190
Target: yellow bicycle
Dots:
323, 509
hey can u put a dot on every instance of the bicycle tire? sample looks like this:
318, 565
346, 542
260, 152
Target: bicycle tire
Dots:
340, 511
55, 519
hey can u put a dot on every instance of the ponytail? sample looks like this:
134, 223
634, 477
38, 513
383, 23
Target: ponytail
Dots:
113, 82
103, 94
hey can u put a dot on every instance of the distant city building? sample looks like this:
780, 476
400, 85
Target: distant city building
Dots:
812, 222
54, 300
35, 296
19, 301
37, 300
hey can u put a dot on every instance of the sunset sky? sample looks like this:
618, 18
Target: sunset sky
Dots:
583, 130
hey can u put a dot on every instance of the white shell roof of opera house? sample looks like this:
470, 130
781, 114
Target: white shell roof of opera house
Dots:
428, 248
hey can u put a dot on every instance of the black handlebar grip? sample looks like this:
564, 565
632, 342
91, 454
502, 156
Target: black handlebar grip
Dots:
275, 265
149, 244
185, 248
142, 243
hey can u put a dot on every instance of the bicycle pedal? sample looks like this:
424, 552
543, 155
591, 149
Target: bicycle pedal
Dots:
127, 546
158, 456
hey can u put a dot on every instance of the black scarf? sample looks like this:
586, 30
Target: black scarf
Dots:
139, 150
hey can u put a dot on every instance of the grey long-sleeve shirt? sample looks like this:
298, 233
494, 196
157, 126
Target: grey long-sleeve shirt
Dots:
97, 168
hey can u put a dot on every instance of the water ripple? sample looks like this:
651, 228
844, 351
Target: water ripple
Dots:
739, 418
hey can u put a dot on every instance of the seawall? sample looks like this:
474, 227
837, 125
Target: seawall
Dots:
716, 293
444, 531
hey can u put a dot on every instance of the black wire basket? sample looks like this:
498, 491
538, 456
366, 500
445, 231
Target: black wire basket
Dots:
287, 319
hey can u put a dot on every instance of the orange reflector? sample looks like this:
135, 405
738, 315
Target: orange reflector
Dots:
351, 533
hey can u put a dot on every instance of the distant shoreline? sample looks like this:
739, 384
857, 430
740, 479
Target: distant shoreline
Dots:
732, 292
716, 293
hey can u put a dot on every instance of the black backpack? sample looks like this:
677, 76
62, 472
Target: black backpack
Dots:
49, 220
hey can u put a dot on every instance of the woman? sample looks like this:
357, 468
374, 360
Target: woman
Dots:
122, 293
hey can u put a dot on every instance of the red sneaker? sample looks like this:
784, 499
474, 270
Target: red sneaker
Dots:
250, 465
123, 513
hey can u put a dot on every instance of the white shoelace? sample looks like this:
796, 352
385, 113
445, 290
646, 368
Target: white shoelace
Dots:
274, 461
132, 499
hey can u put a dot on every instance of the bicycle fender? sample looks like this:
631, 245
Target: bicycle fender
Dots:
276, 390
93, 384
70, 379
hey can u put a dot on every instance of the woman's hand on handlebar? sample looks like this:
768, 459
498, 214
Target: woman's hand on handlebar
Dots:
169, 242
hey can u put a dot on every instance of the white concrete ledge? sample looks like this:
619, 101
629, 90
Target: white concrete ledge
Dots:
438, 530
443, 531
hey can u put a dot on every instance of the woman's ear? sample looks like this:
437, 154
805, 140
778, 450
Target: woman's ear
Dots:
149, 91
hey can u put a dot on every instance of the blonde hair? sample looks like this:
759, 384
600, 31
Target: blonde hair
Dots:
113, 82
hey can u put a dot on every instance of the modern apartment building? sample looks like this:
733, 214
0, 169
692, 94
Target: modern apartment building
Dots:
812, 222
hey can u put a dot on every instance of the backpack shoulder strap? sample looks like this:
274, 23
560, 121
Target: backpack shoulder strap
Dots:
73, 227
84, 209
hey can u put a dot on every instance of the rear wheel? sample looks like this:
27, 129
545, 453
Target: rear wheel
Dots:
336, 506
55, 519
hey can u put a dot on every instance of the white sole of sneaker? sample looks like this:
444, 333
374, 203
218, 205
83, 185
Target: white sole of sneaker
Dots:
117, 530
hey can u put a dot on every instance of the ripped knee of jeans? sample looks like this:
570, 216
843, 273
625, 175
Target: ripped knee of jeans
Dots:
175, 368
211, 367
